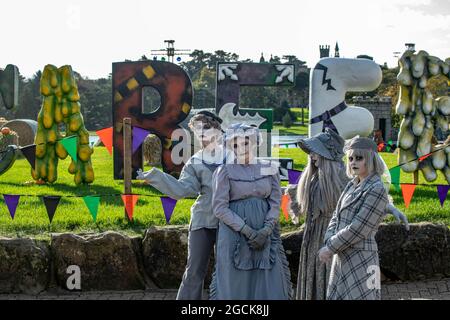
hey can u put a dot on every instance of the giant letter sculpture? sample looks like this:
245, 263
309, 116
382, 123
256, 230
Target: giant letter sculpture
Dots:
232, 75
175, 88
9, 94
61, 105
422, 115
331, 78
9, 86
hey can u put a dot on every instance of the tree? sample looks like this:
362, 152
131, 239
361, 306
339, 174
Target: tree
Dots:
199, 60
221, 56
287, 121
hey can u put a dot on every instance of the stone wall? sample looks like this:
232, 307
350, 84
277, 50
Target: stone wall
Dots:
112, 261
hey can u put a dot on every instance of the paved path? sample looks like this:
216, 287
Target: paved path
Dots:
431, 289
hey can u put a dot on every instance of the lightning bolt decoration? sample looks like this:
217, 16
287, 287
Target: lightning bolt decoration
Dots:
324, 77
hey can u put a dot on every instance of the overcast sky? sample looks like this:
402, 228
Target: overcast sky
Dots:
90, 35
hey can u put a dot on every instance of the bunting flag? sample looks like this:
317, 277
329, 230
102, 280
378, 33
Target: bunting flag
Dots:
70, 144
442, 193
294, 176
106, 136
11, 201
424, 157
168, 206
29, 152
51, 203
407, 191
92, 203
139, 136
285, 205
129, 201
395, 177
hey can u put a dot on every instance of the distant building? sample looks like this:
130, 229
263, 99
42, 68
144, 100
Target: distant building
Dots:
380, 107
324, 51
336, 51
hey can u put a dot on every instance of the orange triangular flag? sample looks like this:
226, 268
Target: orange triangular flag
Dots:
129, 200
407, 191
284, 205
106, 135
424, 157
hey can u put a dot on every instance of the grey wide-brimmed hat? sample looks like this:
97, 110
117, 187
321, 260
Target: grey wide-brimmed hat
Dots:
360, 143
327, 144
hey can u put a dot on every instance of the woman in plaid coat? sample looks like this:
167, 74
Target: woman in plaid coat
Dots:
350, 237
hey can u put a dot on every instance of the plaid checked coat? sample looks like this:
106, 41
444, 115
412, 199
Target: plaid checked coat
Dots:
351, 236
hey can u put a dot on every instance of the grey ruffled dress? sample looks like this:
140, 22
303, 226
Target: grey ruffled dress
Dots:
248, 194
313, 275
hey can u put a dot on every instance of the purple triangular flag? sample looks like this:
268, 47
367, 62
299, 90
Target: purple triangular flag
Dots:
11, 201
168, 206
29, 152
442, 193
139, 136
51, 203
294, 176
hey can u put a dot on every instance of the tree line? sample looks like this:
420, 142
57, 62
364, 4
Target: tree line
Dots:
96, 95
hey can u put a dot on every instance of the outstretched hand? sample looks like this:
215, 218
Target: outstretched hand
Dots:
143, 175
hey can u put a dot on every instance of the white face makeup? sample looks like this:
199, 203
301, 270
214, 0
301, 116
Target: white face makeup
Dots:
358, 166
243, 149
205, 133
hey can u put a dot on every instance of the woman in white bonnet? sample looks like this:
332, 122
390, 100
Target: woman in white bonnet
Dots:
251, 263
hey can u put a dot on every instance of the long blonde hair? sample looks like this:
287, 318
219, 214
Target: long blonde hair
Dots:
332, 180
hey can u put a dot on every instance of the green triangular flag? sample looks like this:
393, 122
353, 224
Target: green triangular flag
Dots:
395, 177
92, 203
70, 143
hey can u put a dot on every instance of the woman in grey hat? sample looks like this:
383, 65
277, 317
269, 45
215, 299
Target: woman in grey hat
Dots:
251, 263
317, 194
350, 237
318, 191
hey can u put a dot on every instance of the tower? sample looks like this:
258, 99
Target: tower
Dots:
324, 51
262, 60
336, 50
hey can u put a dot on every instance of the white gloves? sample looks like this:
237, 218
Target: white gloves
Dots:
325, 254
398, 215
143, 175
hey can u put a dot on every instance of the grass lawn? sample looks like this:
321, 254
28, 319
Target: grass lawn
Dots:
295, 129
73, 216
